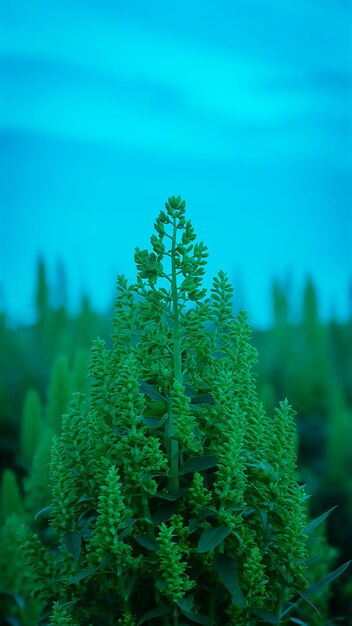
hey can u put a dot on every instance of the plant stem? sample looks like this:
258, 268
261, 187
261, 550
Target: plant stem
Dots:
280, 603
147, 515
175, 616
173, 483
150, 532
212, 599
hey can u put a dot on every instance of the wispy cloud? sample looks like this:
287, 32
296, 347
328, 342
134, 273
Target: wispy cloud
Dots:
78, 73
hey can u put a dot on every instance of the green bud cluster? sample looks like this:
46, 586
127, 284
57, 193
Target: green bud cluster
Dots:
40, 563
124, 318
254, 569
112, 513
68, 462
37, 494
172, 566
128, 403
186, 422
229, 426
61, 617
198, 495
17, 572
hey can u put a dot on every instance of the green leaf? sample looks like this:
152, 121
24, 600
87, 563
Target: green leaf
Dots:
317, 521
295, 620
151, 474
82, 574
172, 497
304, 597
193, 524
127, 525
211, 537
147, 542
227, 569
84, 498
130, 583
198, 617
162, 610
44, 510
313, 589
87, 572
152, 422
155, 422
186, 603
199, 463
72, 541
264, 466
150, 391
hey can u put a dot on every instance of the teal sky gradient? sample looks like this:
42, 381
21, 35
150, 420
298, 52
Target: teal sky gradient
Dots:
245, 109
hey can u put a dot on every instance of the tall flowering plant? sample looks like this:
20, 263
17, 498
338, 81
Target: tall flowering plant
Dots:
174, 496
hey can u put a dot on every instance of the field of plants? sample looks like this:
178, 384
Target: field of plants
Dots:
153, 470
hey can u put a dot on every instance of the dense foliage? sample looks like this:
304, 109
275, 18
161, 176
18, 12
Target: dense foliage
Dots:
174, 493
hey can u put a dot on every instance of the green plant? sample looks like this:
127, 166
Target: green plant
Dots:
59, 392
10, 495
17, 601
174, 496
31, 426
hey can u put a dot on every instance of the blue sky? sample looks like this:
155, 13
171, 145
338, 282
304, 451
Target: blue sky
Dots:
242, 108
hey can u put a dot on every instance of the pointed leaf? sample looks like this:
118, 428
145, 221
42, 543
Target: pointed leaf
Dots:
128, 525
227, 570
84, 498
150, 391
87, 572
162, 610
270, 618
304, 597
295, 620
211, 537
264, 466
317, 521
198, 618
294, 605
82, 574
72, 541
199, 463
147, 542
313, 589
193, 524
163, 495
155, 422
186, 603
44, 510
